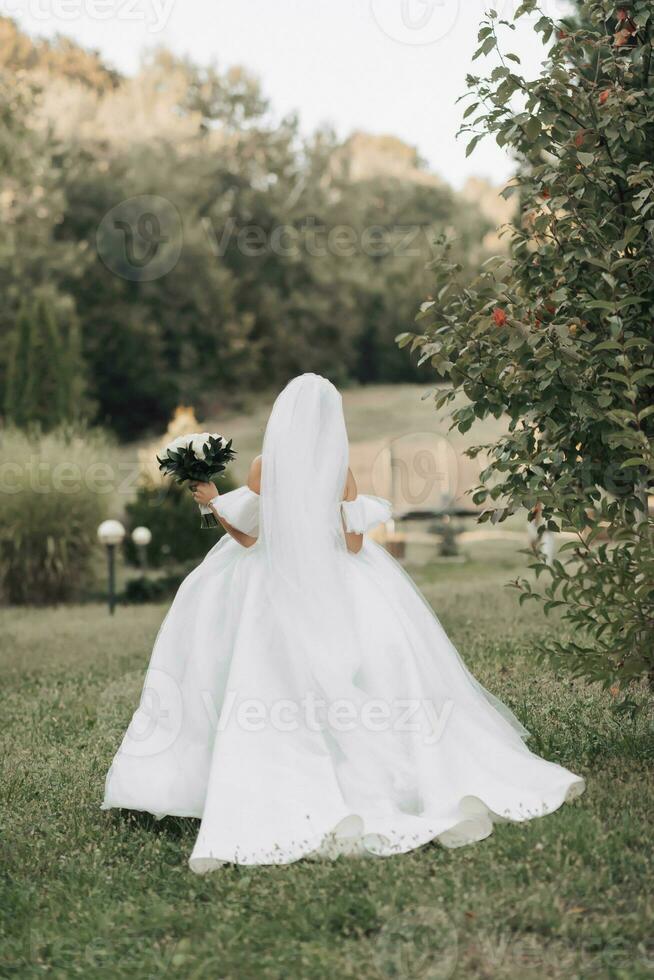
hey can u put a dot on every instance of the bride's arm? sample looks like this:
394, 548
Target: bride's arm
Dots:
353, 540
206, 492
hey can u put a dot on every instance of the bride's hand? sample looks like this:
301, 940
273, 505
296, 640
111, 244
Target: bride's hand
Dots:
204, 492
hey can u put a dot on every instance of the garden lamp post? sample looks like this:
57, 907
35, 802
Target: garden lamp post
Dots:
110, 534
142, 536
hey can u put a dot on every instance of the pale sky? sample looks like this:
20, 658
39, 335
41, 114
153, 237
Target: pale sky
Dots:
384, 66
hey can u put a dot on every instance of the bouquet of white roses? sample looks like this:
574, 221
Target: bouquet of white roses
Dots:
197, 458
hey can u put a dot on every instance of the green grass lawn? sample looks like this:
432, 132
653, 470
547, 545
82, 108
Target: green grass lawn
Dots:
95, 894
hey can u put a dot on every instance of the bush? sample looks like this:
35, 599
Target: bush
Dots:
49, 513
147, 588
174, 520
45, 377
558, 337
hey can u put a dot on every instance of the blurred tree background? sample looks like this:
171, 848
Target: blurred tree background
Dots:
297, 253
169, 241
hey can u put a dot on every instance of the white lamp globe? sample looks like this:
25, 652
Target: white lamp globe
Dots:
142, 536
111, 532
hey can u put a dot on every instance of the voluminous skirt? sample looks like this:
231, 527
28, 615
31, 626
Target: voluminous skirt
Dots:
231, 729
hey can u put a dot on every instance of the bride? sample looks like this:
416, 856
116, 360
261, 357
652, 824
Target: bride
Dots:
302, 699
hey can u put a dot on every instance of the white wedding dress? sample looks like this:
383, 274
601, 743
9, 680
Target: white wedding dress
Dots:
305, 701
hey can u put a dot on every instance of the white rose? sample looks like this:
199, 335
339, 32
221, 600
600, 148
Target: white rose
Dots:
198, 443
180, 442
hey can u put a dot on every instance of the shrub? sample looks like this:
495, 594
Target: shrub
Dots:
45, 376
148, 588
50, 508
174, 519
558, 336
166, 508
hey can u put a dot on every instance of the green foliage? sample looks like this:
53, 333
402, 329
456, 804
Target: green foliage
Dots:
45, 375
60, 56
50, 509
19, 396
34, 168
183, 465
174, 519
150, 588
288, 261
275, 277
558, 337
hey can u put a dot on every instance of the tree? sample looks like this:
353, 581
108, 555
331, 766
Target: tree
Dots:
262, 289
19, 394
274, 264
34, 170
45, 376
558, 337
75, 403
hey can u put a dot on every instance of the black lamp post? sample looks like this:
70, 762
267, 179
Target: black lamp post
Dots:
111, 534
142, 536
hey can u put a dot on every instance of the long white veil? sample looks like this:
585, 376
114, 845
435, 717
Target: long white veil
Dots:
305, 459
304, 470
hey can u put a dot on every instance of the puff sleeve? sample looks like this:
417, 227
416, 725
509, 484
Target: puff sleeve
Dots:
240, 508
365, 513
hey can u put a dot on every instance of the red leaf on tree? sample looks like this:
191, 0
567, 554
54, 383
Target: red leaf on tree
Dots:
499, 316
604, 96
624, 17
